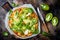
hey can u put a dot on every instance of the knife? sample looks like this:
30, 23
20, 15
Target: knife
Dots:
45, 28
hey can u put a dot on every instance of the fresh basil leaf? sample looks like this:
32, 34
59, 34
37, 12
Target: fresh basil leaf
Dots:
30, 10
14, 5
10, 11
36, 31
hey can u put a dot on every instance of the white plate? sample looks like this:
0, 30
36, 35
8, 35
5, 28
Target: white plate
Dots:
8, 28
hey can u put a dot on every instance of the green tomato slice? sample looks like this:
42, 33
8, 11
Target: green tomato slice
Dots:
5, 33
44, 7
54, 21
48, 17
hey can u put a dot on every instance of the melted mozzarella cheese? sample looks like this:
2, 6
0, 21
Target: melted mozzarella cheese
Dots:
26, 32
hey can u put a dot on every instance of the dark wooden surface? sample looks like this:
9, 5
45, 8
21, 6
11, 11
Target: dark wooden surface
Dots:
54, 8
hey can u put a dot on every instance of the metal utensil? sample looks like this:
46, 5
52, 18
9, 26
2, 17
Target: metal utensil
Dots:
41, 17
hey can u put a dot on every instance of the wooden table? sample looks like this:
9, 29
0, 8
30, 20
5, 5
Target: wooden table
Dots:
39, 36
